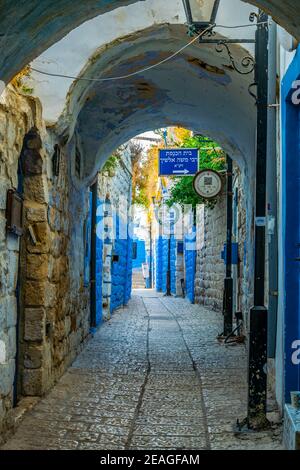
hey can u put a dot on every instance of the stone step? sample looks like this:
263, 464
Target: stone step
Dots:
138, 280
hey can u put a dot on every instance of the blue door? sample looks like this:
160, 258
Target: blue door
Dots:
291, 229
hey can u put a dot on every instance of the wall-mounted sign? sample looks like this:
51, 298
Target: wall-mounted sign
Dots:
207, 184
178, 162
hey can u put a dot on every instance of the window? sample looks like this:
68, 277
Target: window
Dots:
180, 247
77, 163
134, 250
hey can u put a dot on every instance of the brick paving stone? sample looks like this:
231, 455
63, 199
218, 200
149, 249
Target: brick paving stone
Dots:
153, 377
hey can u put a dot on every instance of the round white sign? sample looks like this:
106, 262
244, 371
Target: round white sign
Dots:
208, 184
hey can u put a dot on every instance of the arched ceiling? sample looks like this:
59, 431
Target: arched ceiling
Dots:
198, 89
70, 55
27, 28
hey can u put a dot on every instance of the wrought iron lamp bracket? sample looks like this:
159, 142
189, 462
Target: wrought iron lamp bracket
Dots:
247, 62
256, 16
251, 93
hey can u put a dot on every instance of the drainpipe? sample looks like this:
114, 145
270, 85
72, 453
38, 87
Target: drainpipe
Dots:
272, 189
94, 189
228, 282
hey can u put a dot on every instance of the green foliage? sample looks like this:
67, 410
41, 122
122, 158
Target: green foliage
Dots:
20, 81
210, 157
183, 193
27, 90
111, 164
141, 199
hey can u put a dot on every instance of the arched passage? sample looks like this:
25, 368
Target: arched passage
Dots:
197, 89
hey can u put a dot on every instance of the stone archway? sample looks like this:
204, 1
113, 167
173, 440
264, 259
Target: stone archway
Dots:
45, 22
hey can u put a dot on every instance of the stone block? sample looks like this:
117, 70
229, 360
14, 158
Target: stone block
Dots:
3, 349
2, 410
291, 434
67, 325
36, 189
54, 219
12, 344
106, 289
35, 324
7, 373
2, 226
2, 313
36, 213
56, 245
60, 352
33, 357
11, 311
51, 315
4, 186
59, 331
35, 293
33, 382
37, 266
42, 234
12, 275
57, 267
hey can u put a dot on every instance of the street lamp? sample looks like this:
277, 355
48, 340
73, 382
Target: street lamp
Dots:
201, 13
201, 18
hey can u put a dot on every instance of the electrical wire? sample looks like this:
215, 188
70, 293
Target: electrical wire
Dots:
242, 25
128, 75
122, 77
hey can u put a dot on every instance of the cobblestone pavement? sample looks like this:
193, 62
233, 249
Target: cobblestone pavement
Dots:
154, 377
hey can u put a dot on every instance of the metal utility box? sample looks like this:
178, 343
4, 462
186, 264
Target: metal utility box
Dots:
14, 213
234, 253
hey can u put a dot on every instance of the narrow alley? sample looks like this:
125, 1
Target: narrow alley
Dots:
153, 377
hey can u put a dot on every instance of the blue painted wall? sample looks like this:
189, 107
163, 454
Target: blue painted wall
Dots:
173, 254
99, 261
291, 225
158, 271
190, 264
140, 252
87, 246
128, 282
121, 270
148, 260
99, 254
161, 247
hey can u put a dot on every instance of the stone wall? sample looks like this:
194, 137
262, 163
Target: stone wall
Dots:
114, 194
210, 268
211, 237
17, 116
43, 272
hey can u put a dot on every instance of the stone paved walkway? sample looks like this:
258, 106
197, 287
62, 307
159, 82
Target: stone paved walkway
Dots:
154, 377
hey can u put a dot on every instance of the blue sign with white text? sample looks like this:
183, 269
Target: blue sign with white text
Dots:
178, 162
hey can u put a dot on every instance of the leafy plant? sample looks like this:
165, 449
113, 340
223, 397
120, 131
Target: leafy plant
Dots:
112, 163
